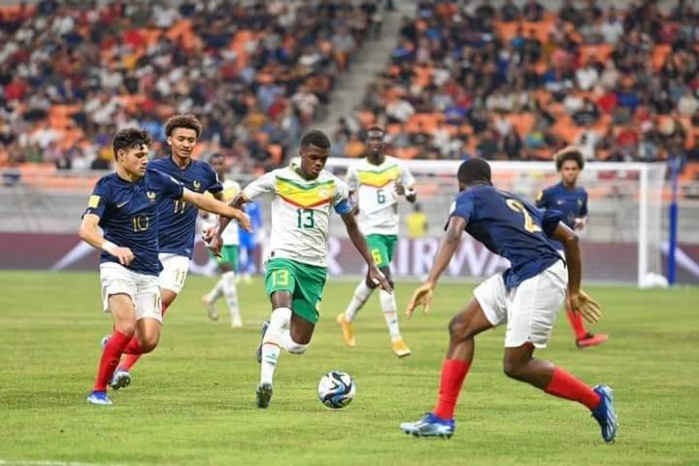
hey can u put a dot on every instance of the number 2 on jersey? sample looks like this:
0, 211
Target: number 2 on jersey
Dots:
529, 224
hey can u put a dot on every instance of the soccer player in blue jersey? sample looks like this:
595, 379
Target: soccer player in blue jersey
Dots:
125, 205
249, 241
526, 297
571, 200
177, 225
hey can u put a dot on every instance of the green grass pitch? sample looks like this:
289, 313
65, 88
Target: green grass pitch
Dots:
192, 401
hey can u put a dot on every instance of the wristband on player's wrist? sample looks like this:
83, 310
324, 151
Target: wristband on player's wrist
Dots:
108, 246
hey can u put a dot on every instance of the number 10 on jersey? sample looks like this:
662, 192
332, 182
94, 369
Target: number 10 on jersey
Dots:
305, 218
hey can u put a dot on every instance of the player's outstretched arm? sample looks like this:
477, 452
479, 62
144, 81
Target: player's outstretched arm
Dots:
579, 301
422, 296
89, 232
212, 236
216, 207
360, 243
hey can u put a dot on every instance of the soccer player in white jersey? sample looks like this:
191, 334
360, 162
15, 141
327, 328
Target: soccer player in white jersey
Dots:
303, 198
228, 260
377, 182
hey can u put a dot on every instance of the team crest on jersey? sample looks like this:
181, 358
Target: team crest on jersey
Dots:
197, 185
151, 195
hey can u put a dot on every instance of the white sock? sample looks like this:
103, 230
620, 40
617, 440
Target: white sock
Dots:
360, 297
388, 306
291, 346
216, 292
272, 343
231, 293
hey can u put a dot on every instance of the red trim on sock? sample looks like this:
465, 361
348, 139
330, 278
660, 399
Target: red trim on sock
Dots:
452, 378
110, 359
565, 385
576, 321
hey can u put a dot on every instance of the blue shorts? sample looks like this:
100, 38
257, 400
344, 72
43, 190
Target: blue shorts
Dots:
247, 240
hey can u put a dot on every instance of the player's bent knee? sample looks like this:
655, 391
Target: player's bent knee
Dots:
296, 348
127, 327
514, 369
149, 343
460, 329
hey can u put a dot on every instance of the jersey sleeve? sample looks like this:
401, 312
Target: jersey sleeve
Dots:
542, 199
215, 185
583, 207
170, 187
463, 206
550, 220
99, 199
352, 179
406, 178
263, 185
341, 201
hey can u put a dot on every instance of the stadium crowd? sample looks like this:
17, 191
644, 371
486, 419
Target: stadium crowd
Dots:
519, 82
73, 73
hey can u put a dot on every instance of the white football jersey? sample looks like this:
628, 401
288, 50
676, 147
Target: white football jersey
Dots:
374, 187
300, 212
231, 235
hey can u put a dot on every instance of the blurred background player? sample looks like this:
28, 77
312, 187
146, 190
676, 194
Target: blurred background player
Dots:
304, 197
527, 297
250, 241
376, 182
126, 205
228, 260
416, 223
571, 200
177, 225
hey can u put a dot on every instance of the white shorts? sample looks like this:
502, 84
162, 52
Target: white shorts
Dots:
174, 271
529, 310
142, 289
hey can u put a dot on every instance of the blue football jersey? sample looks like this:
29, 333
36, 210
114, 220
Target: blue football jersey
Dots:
510, 227
254, 211
129, 218
178, 219
572, 203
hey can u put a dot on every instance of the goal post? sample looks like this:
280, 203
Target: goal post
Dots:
622, 242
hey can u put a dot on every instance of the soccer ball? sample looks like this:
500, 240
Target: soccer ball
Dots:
336, 389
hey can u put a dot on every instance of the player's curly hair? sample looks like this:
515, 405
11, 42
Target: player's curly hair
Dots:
188, 121
569, 153
130, 138
474, 170
317, 138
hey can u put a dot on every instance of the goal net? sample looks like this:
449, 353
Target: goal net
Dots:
621, 243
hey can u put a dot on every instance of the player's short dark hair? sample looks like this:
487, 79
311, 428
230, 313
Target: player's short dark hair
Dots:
474, 170
570, 154
130, 138
377, 129
188, 121
216, 155
317, 138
